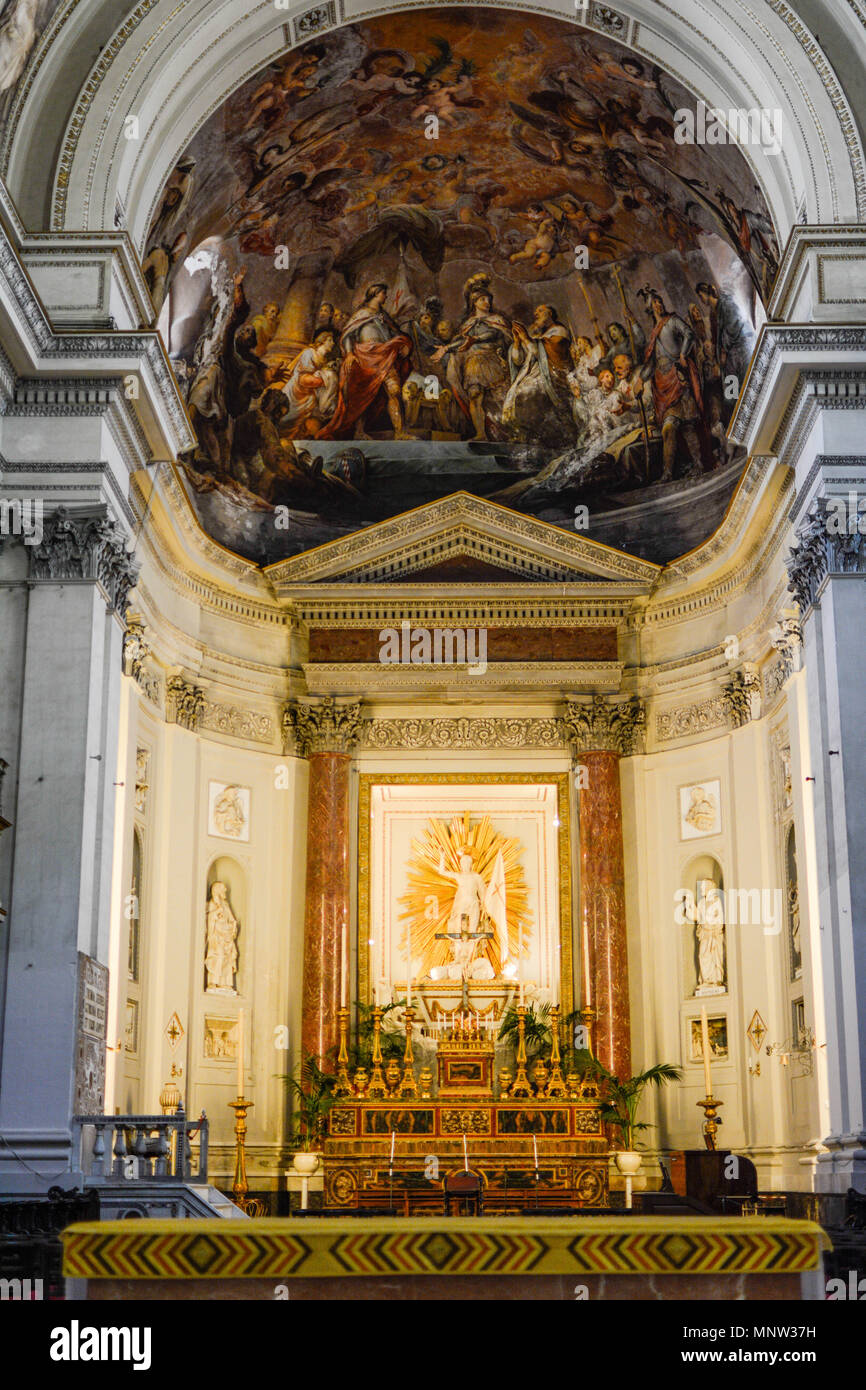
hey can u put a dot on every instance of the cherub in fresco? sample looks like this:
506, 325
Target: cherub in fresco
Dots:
273, 98
602, 69
386, 70
542, 245
444, 99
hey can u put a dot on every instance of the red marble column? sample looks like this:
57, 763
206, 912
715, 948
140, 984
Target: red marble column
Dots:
602, 733
325, 733
602, 909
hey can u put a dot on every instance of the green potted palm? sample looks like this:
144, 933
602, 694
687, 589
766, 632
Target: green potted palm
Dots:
312, 1096
620, 1103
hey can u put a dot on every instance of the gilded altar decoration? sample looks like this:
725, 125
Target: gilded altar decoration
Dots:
466, 910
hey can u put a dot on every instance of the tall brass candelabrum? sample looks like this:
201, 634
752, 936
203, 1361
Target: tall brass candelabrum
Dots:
240, 1187
408, 1086
344, 1085
556, 1085
377, 1089
521, 1085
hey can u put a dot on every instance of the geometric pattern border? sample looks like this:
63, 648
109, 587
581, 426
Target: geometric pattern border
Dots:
322, 1248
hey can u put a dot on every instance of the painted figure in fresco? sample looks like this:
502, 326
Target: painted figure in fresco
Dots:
265, 325
376, 356
212, 363
541, 245
711, 376
311, 388
539, 359
670, 365
733, 334
157, 268
477, 371
754, 238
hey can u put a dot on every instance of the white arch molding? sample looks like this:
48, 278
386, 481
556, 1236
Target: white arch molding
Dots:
172, 63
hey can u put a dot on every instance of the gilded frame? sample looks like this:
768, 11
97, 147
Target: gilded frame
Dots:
560, 780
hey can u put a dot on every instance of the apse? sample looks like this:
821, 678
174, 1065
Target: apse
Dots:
460, 250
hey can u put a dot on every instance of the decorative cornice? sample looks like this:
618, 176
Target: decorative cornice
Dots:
599, 725
323, 727
184, 703
777, 338
462, 734
85, 548
369, 676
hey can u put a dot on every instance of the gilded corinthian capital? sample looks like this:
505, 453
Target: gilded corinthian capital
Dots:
321, 726
599, 725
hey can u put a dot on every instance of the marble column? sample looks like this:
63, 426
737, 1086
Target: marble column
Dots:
601, 733
325, 733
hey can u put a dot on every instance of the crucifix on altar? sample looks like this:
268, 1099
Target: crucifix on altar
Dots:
464, 950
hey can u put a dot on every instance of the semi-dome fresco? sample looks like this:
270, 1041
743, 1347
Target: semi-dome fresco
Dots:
459, 250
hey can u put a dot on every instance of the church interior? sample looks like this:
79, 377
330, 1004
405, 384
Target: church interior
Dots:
431, 564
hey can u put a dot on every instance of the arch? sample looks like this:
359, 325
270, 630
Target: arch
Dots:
172, 63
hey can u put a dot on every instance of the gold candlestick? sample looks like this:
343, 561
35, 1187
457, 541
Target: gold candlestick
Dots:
344, 1085
241, 1186
377, 1090
556, 1085
712, 1120
521, 1087
408, 1086
588, 1017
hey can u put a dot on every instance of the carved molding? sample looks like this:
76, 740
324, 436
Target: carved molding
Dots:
821, 551
688, 720
598, 725
458, 734
321, 727
238, 723
184, 703
85, 548
135, 648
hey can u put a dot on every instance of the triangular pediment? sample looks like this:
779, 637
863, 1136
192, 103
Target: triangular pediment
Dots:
462, 540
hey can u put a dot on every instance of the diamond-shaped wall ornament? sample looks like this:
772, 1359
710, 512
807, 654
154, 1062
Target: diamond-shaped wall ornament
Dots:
174, 1031
756, 1031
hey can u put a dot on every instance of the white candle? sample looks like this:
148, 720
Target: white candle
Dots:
344, 968
240, 1053
393, 1138
587, 991
535, 1151
705, 1048
520, 967
465, 1155
408, 967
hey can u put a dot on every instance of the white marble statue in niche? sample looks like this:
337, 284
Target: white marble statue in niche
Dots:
709, 918
221, 957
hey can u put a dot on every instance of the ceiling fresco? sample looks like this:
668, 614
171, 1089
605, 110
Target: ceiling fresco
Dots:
22, 22
459, 249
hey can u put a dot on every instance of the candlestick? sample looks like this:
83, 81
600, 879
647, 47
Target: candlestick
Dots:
240, 1053
521, 1087
344, 1085
712, 1120
465, 1155
408, 1086
344, 968
377, 1090
556, 1085
240, 1187
705, 1048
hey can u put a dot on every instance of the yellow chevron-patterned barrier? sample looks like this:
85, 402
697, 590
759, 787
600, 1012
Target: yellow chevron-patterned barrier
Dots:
322, 1248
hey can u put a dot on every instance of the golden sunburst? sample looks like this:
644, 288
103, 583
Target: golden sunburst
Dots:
430, 898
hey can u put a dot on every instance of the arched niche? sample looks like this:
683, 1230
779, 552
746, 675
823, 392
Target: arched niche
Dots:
704, 948
227, 871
